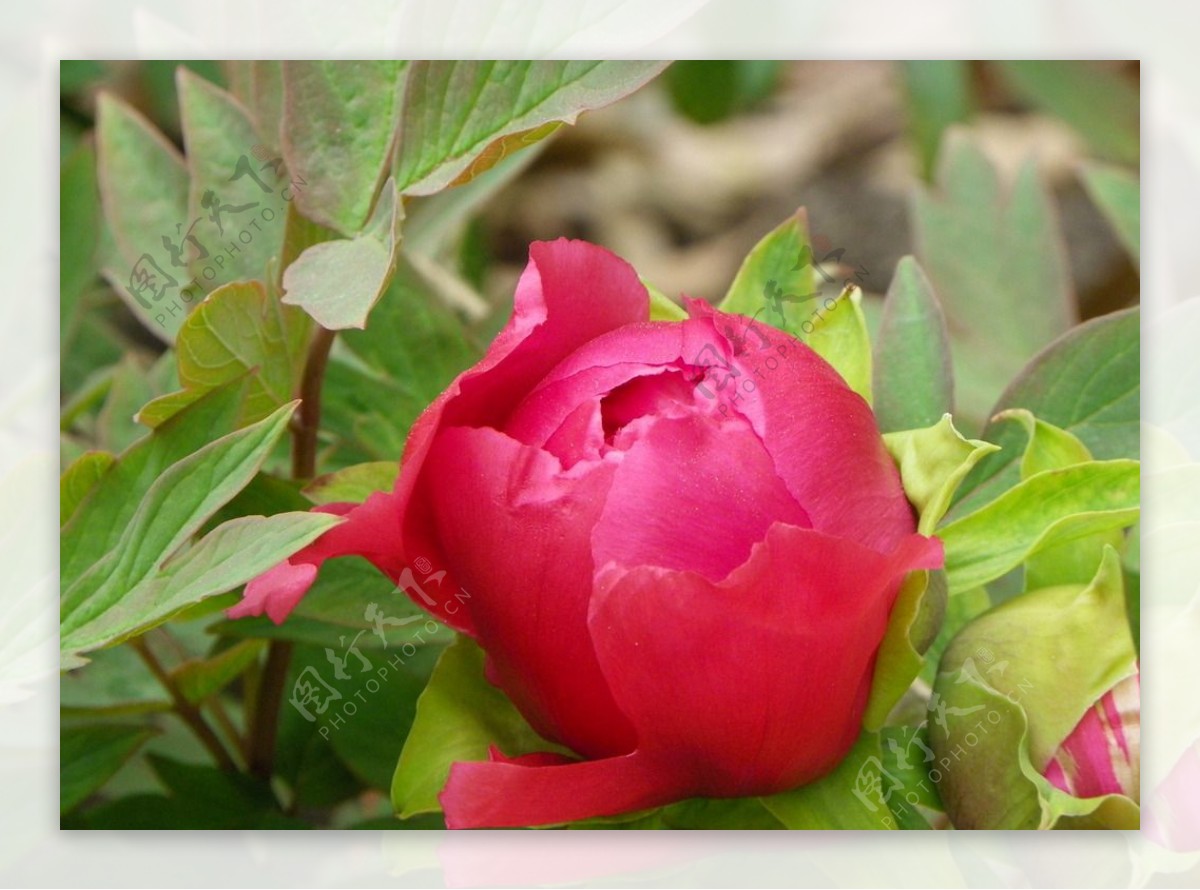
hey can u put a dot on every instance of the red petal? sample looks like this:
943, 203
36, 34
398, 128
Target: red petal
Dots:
757, 683
822, 435
523, 792
692, 493
518, 532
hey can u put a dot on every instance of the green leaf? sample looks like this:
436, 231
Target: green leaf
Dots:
837, 331
1051, 448
662, 307
1047, 509
776, 266
453, 111
1086, 383
939, 94
338, 282
105, 512
459, 715
913, 378
236, 200
240, 330
1044, 658
849, 797
129, 389
79, 479
202, 678
339, 120
137, 584
354, 484
226, 558
368, 724
386, 375
1118, 194
258, 85
1100, 104
984, 247
144, 188
933, 462
90, 755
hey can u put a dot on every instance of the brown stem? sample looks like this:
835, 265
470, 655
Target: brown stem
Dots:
308, 417
187, 712
263, 719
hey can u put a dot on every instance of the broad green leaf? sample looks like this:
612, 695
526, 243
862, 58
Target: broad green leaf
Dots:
202, 678
354, 484
1047, 509
996, 259
339, 121
913, 377
239, 330
774, 281
1118, 194
173, 508
933, 462
1086, 383
459, 715
1051, 448
338, 282
79, 479
237, 200
144, 188
1097, 102
453, 111
837, 332
1036, 663
939, 94
90, 755
850, 797
228, 557
106, 511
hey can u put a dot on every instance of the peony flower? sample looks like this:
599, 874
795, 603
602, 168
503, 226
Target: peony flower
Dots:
681, 541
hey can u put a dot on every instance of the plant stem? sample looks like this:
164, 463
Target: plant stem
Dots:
308, 417
263, 720
187, 712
